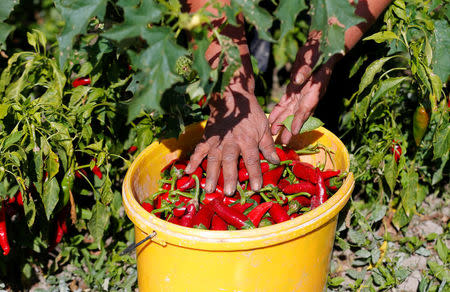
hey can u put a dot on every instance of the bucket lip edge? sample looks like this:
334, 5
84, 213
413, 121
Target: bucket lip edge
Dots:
239, 236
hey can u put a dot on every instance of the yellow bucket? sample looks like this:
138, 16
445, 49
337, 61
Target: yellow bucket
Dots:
290, 256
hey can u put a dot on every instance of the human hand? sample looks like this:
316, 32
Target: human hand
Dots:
237, 125
304, 91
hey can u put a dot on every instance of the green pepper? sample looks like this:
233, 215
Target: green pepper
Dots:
421, 119
66, 187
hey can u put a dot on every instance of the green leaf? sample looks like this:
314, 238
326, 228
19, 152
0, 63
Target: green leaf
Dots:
362, 107
336, 281
441, 140
98, 222
50, 196
439, 271
391, 172
357, 65
409, 182
256, 15
387, 85
52, 165
157, 64
370, 72
440, 44
309, 125
442, 250
5, 30
6, 6
77, 14
438, 174
138, 15
3, 110
362, 253
106, 193
400, 218
356, 237
12, 138
324, 12
29, 209
382, 36
200, 64
287, 12
378, 213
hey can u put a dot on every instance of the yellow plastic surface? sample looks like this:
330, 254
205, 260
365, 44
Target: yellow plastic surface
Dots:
290, 256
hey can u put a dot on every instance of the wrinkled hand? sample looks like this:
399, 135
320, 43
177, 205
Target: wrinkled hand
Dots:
237, 125
304, 91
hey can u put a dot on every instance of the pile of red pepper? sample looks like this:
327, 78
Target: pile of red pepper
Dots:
289, 190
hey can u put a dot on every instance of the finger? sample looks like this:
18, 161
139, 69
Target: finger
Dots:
230, 155
250, 154
286, 136
307, 57
278, 123
299, 119
201, 150
213, 169
267, 147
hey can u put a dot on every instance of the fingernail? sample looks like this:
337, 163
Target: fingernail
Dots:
188, 168
228, 190
299, 79
256, 186
208, 188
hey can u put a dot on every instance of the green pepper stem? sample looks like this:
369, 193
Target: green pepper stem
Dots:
197, 187
291, 197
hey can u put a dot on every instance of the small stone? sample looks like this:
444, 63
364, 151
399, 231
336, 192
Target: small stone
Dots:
410, 284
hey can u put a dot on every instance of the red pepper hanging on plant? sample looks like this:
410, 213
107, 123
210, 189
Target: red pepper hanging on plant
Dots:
3, 234
421, 119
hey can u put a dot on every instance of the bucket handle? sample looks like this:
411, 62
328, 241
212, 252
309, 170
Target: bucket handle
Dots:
133, 246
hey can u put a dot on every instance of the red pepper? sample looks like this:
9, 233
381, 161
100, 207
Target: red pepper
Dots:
272, 176
188, 182
218, 223
396, 149
330, 173
202, 101
209, 197
278, 213
291, 154
174, 220
81, 81
132, 149
241, 163
188, 218
241, 207
61, 226
283, 183
202, 219
180, 210
219, 189
304, 201
294, 215
147, 206
230, 215
256, 214
166, 187
303, 186
19, 199
3, 233
281, 154
243, 172
78, 174
257, 198
321, 194
306, 172
96, 170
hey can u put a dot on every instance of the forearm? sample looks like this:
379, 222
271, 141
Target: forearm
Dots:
244, 75
370, 10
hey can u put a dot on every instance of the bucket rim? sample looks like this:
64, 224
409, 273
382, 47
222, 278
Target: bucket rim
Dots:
236, 239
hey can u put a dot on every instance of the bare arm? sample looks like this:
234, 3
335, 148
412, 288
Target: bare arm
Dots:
304, 91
